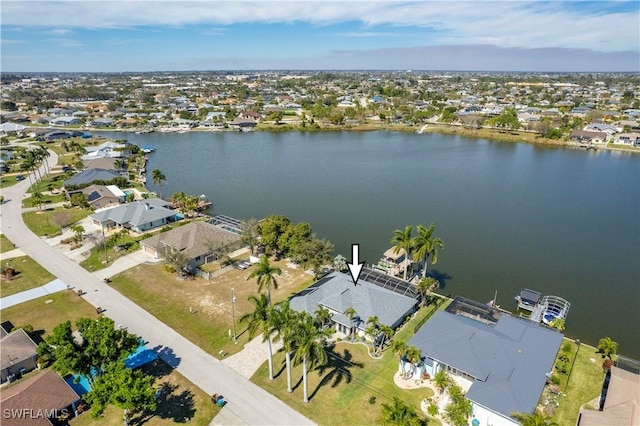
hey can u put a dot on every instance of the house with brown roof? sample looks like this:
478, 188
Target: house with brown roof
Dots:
198, 241
104, 195
38, 400
18, 354
588, 137
621, 403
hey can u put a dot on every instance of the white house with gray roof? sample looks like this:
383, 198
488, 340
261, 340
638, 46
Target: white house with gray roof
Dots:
139, 216
505, 363
376, 294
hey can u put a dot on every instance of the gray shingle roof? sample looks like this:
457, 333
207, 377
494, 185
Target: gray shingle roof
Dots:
337, 292
136, 213
90, 175
509, 359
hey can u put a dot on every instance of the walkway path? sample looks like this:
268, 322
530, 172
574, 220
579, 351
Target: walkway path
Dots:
248, 403
11, 254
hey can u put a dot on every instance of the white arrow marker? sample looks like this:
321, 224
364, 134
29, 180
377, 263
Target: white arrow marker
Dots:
355, 267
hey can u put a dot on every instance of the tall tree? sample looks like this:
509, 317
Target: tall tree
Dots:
322, 316
271, 228
351, 313
98, 344
130, 390
258, 321
403, 240
250, 234
265, 275
399, 347
158, 178
308, 348
426, 245
398, 413
37, 198
284, 321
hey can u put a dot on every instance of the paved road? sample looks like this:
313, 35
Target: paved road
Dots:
248, 403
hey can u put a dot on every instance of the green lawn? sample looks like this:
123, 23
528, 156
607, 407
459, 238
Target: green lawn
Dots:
584, 383
9, 180
5, 244
29, 275
43, 222
340, 392
65, 305
46, 199
53, 181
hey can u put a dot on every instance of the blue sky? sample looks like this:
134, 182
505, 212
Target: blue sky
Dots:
146, 35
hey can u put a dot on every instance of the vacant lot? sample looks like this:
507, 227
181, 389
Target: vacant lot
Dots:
29, 274
198, 309
5, 244
48, 220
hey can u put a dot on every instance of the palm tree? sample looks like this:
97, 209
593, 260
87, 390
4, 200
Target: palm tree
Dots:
387, 332
308, 349
178, 199
265, 275
44, 155
413, 356
283, 323
158, 178
426, 286
322, 316
425, 245
37, 199
26, 166
399, 347
351, 313
259, 322
398, 413
607, 347
403, 240
441, 380
532, 419
373, 330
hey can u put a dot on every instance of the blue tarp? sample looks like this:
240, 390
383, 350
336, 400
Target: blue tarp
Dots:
140, 357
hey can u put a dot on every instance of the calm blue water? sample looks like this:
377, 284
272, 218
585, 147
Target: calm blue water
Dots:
561, 221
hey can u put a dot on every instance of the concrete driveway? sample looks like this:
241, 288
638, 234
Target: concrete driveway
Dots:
248, 403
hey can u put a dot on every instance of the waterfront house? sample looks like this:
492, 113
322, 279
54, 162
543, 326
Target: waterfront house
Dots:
198, 241
376, 294
629, 139
86, 178
588, 137
394, 263
64, 121
18, 354
138, 216
621, 405
502, 361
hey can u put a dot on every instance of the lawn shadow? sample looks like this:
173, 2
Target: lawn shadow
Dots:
157, 368
171, 404
283, 367
167, 355
337, 368
441, 277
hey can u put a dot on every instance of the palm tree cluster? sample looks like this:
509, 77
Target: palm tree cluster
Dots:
187, 204
299, 332
407, 354
301, 336
33, 158
422, 246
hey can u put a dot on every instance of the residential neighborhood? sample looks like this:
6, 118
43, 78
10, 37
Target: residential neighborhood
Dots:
238, 310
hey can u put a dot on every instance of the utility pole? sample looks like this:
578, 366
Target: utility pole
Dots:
233, 313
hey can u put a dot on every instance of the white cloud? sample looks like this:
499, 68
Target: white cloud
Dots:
506, 23
10, 41
61, 31
370, 34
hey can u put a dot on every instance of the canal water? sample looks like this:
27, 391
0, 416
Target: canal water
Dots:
561, 221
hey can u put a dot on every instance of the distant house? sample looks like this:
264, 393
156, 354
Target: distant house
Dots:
503, 364
630, 139
56, 134
139, 216
108, 149
100, 196
588, 137
197, 240
43, 399
102, 122
376, 294
64, 121
18, 354
85, 178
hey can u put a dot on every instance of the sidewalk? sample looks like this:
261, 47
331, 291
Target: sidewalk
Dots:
251, 357
15, 299
11, 254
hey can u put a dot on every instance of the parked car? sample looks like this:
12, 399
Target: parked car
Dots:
20, 177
